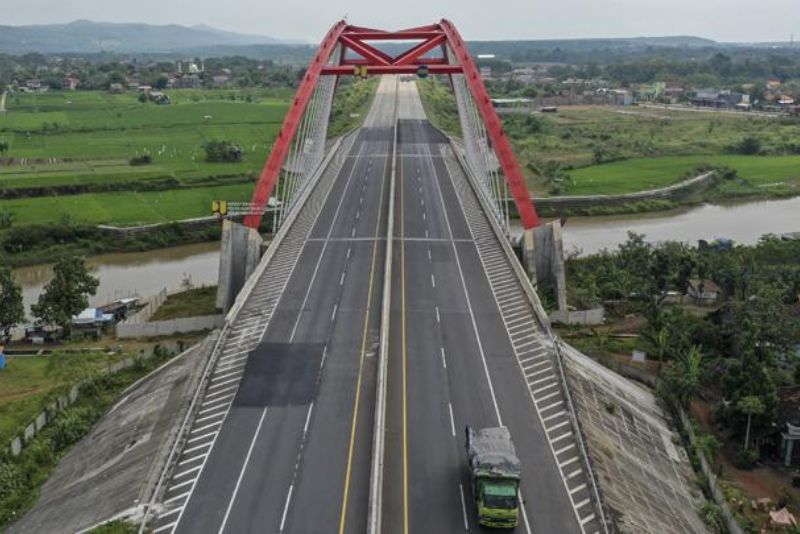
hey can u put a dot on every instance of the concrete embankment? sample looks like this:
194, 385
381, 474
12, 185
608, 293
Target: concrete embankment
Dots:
112, 471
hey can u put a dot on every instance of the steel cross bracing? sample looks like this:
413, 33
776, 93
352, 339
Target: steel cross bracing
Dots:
349, 50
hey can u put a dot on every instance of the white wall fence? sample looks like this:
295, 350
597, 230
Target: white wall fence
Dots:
61, 403
139, 324
166, 328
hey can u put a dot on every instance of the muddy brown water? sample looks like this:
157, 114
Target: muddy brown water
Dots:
743, 222
134, 273
146, 273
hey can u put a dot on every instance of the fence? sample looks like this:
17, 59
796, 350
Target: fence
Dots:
61, 403
166, 328
713, 482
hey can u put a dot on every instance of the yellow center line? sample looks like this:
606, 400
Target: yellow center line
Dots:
403, 344
354, 424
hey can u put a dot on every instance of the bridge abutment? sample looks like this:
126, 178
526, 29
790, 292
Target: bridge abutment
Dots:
239, 254
543, 259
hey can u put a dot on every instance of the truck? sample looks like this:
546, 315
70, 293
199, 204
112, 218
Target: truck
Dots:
494, 471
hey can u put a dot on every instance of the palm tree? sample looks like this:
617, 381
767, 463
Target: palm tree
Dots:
554, 175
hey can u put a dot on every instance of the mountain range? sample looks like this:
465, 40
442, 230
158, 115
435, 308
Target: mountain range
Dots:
84, 37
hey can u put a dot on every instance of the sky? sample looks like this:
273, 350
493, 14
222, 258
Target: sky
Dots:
308, 20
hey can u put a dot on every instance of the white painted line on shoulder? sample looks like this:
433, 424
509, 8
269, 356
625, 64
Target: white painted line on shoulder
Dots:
201, 436
192, 459
444, 360
177, 498
188, 471
182, 484
433, 278
567, 462
196, 448
539, 372
438, 318
555, 415
341, 279
576, 489
452, 419
565, 435
286, 508
333, 315
164, 527
204, 427
582, 503
463, 506
559, 425
574, 473
545, 388
565, 448
587, 518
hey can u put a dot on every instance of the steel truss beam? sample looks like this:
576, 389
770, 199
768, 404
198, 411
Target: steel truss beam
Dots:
454, 59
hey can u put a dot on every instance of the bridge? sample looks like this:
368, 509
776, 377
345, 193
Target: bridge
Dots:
386, 314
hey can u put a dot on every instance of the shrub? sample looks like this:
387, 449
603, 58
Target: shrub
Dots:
712, 517
144, 159
222, 151
749, 146
746, 459
71, 426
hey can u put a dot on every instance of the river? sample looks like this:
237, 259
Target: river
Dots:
134, 273
743, 222
146, 273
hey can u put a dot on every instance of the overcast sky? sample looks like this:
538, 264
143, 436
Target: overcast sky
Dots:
724, 20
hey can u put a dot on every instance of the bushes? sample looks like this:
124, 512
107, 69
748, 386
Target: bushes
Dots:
71, 425
222, 152
746, 459
712, 517
144, 159
748, 146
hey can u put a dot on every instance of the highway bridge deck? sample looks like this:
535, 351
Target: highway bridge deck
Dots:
282, 440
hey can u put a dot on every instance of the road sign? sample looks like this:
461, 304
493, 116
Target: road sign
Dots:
423, 71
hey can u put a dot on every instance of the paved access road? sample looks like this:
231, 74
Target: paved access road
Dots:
451, 362
293, 454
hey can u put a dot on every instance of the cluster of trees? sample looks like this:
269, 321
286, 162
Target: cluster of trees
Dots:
740, 354
65, 296
101, 71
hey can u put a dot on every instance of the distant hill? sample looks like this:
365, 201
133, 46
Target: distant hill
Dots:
83, 37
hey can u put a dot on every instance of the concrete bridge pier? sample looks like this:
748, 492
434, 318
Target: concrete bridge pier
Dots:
239, 254
543, 259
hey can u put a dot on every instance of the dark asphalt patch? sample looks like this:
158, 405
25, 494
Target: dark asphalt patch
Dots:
280, 374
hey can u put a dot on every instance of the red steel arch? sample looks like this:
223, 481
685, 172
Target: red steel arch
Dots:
373, 61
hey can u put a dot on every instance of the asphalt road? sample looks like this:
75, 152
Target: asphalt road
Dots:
451, 363
294, 452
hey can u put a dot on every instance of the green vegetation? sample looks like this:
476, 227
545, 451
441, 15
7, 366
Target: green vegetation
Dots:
189, 303
351, 104
80, 138
29, 383
612, 150
67, 294
22, 476
12, 310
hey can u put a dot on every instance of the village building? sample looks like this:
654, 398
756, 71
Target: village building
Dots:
703, 292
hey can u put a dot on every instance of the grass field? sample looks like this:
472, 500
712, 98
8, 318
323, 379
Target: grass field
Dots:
25, 386
125, 208
778, 174
190, 303
610, 150
91, 135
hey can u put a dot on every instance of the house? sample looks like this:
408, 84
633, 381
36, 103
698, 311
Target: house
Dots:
220, 80
70, 83
116, 88
120, 308
703, 292
91, 321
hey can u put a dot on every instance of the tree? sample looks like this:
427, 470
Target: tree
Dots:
66, 295
161, 82
12, 310
750, 405
680, 378
222, 151
3, 146
554, 175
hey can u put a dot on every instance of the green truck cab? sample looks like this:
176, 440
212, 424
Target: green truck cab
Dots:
494, 470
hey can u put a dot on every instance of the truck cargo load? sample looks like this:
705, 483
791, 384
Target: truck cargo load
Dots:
495, 472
